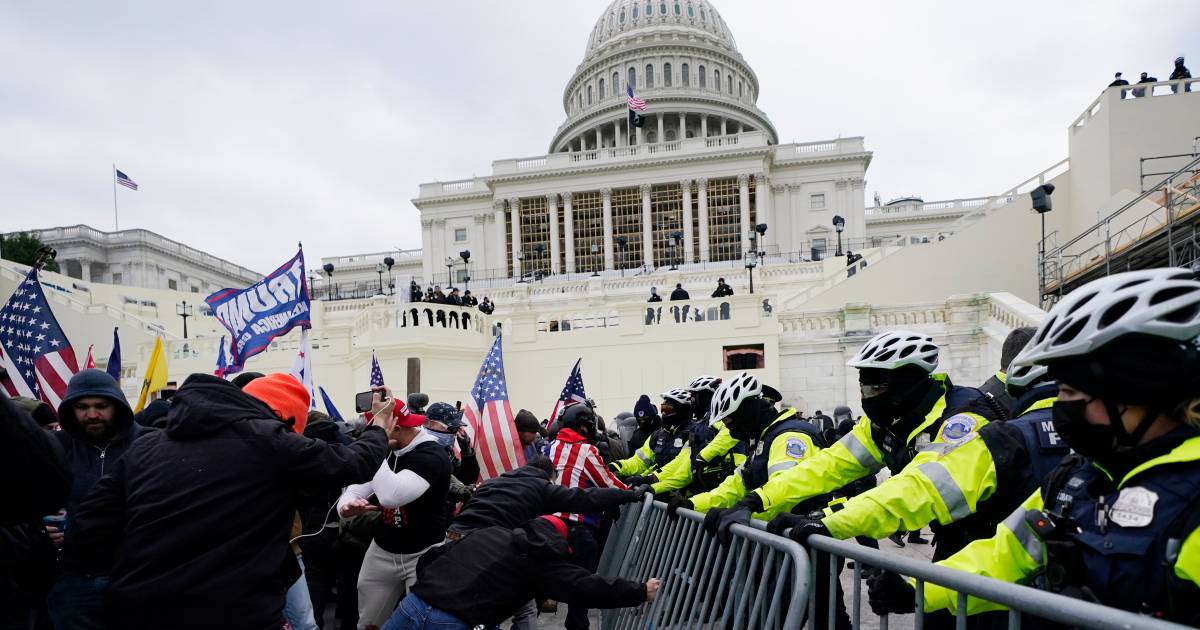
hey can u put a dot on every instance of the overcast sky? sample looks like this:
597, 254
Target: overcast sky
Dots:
252, 125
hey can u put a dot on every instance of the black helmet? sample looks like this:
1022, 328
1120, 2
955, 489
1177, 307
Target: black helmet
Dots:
579, 418
842, 412
444, 413
417, 402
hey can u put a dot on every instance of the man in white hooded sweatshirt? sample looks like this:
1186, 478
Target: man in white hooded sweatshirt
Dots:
409, 492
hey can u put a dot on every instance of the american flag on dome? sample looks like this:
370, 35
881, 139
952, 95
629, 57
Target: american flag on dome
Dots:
376, 373
37, 358
634, 102
572, 392
124, 180
497, 446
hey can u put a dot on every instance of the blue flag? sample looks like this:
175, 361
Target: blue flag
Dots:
222, 364
114, 359
265, 310
330, 410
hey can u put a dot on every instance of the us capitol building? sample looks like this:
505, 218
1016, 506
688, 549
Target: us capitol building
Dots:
568, 245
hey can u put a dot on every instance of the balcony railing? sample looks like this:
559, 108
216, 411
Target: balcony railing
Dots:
146, 237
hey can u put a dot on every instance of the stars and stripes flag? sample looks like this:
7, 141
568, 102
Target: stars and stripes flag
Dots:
124, 180
222, 362
635, 103
490, 417
37, 358
376, 373
572, 392
302, 367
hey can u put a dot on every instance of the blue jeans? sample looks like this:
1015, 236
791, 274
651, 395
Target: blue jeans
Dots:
77, 603
298, 608
414, 613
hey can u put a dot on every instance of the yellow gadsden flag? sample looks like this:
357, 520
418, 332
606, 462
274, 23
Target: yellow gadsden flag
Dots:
156, 374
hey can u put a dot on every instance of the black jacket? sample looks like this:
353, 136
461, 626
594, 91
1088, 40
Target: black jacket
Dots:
999, 392
485, 577
527, 492
680, 294
723, 290
195, 520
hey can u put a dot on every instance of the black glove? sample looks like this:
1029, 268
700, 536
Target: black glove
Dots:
464, 445
739, 514
642, 489
698, 466
808, 527
711, 518
783, 522
887, 593
677, 502
635, 480
633, 496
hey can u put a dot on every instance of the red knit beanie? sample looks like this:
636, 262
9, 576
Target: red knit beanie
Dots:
285, 396
559, 525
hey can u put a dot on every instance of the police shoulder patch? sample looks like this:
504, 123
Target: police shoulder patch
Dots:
958, 427
796, 448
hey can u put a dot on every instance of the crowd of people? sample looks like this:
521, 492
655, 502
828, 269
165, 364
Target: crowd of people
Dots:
1180, 71
1073, 468
434, 295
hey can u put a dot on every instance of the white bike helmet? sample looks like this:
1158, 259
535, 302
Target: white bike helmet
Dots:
896, 349
1156, 302
704, 383
731, 394
679, 396
1023, 375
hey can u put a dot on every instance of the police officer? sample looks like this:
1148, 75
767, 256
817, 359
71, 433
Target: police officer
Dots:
665, 444
1119, 521
912, 416
710, 456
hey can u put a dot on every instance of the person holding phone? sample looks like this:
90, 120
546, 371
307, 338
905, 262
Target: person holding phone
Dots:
409, 491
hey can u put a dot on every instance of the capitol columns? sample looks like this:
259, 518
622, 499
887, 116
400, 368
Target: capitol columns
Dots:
501, 251
552, 210
606, 195
647, 232
618, 137
514, 205
702, 208
569, 228
686, 187
703, 125
427, 248
660, 137
762, 199
744, 208
682, 126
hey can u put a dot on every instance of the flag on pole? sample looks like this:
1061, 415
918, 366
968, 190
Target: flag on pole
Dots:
572, 392
222, 363
124, 180
156, 374
37, 358
497, 447
114, 358
635, 105
302, 367
376, 373
330, 410
89, 363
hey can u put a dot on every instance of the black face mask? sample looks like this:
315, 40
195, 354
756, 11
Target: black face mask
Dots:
746, 423
893, 405
1094, 441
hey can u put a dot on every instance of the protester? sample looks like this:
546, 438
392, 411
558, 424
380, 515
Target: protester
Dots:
1118, 81
192, 524
647, 421
32, 462
414, 291
654, 296
484, 578
438, 296
1180, 72
468, 299
454, 299
1145, 78
319, 524
995, 386
679, 293
486, 306
723, 290
530, 432
409, 491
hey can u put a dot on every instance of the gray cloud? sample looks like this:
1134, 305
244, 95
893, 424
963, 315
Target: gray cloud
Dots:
250, 126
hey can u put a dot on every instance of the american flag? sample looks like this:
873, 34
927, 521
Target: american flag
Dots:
572, 392
302, 367
34, 351
376, 373
497, 446
222, 362
635, 103
124, 180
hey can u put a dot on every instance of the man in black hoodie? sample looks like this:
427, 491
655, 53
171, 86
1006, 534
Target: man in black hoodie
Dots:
192, 523
485, 577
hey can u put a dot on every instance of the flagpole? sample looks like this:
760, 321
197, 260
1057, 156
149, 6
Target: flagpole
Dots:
116, 219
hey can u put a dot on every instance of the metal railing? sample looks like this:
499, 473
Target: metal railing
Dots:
759, 581
766, 581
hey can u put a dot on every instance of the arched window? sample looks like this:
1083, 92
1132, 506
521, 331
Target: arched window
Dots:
649, 76
602, 89
580, 99
622, 18
610, 21
632, 78
703, 78
686, 76
739, 89
589, 95
691, 11
649, 9
729, 83
677, 11
635, 12
662, 8
666, 75
616, 84
717, 80
703, 15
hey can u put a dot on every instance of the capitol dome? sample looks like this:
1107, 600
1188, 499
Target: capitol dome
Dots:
680, 57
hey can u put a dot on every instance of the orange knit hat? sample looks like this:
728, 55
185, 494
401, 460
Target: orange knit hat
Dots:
284, 395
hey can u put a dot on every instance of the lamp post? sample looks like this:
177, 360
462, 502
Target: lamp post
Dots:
379, 270
328, 267
521, 259
540, 250
676, 239
389, 261
465, 255
751, 263
184, 310
595, 262
622, 243
839, 224
1040, 197
761, 229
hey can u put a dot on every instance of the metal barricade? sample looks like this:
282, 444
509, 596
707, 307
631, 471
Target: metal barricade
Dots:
1021, 601
758, 581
